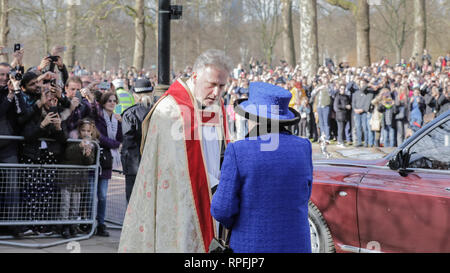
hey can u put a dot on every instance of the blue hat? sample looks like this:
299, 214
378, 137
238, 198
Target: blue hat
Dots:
263, 100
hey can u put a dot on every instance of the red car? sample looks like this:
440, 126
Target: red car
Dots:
400, 203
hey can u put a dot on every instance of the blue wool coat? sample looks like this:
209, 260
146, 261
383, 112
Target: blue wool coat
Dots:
263, 195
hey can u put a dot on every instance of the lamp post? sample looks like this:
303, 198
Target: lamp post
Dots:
167, 13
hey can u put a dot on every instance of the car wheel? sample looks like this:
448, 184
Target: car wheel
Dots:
321, 240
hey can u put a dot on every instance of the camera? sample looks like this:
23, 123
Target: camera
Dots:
53, 59
52, 82
16, 74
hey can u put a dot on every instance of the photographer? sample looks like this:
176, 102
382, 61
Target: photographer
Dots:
31, 100
9, 193
53, 62
80, 106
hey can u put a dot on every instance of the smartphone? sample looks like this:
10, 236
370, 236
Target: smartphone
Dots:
53, 109
17, 47
104, 86
78, 95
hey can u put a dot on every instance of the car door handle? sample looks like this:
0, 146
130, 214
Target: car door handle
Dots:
343, 193
447, 189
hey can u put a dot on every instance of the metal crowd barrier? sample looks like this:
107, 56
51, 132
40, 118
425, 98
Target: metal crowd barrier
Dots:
43, 198
116, 202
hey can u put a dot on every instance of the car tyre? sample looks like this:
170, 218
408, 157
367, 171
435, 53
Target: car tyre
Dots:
321, 240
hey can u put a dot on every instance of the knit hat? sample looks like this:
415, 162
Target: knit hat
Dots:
267, 102
142, 86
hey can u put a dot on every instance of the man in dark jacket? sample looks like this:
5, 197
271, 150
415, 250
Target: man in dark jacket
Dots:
81, 108
361, 106
443, 103
10, 196
342, 107
132, 132
389, 110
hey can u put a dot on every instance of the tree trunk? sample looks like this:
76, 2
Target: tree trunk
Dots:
398, 53
309, 46
363, 33
45, 28
139, 44
288, 33
361, 13
4, 27
105, 54
71, 33
420, 29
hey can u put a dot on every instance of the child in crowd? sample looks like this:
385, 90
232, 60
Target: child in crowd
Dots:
75, 180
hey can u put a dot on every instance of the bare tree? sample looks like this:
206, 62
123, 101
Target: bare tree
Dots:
309, 47
396, 26
4, 26
288, 32
71, 33
139, 28
266, 14
420, 28
360, 11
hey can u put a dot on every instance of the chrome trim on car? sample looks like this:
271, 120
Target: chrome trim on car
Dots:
355, 249
336, 163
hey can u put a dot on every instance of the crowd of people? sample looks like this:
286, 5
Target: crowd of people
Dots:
47, 105
374, 106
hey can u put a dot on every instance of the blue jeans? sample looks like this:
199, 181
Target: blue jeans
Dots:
361, 127
371, 137
102, 190
324, 113
389, 136
348, 130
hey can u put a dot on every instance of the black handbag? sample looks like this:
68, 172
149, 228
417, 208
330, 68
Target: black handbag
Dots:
106, 160
218, 245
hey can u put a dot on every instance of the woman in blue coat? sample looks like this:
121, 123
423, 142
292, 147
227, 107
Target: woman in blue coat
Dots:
266, 179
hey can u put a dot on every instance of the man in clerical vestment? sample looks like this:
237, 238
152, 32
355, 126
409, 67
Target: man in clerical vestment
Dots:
184, 136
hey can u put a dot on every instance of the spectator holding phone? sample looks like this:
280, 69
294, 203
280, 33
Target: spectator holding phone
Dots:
54, 64
10, 196
417, 107
80, 106
39, 188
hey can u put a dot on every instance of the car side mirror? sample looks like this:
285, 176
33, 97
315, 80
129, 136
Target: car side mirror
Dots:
400, 163
395, 162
